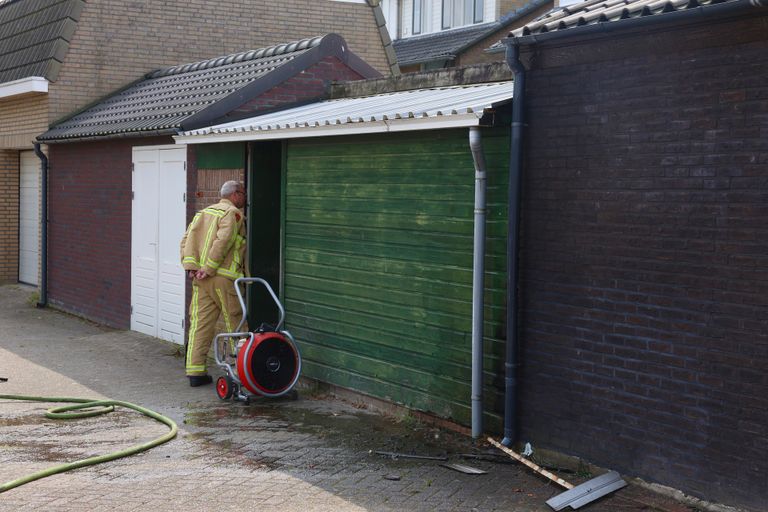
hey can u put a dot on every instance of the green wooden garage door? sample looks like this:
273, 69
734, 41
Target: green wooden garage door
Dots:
378, 265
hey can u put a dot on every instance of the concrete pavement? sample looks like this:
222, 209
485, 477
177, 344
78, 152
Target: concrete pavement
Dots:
312, 454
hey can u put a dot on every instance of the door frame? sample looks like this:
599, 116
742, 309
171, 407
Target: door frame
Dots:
182, 209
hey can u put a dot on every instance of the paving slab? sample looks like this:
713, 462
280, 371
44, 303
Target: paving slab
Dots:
316, 453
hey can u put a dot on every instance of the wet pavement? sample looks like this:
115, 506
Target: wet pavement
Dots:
315, 453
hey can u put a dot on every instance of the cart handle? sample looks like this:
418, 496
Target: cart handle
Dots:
250, 280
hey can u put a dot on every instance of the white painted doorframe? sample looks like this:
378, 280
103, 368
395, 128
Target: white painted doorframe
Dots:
158, 221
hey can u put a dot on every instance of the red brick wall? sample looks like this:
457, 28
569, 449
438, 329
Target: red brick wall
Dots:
89, 237
645, 262
9, 216
310, 83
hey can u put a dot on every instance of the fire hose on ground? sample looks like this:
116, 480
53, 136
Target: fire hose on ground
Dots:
85, 408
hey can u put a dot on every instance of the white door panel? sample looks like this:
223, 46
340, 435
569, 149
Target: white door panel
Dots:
158, 223
29, 217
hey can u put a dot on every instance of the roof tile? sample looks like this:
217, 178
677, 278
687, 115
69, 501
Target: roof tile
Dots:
34, 34
165, 98
590, 12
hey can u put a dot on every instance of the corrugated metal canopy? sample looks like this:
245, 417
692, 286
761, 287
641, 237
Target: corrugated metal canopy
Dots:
420, 109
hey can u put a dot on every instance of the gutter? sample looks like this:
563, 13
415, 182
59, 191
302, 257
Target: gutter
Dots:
110, 136
43, 300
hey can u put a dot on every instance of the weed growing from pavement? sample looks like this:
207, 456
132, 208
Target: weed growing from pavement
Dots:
33, 298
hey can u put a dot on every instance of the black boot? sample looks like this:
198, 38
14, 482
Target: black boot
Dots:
199, 380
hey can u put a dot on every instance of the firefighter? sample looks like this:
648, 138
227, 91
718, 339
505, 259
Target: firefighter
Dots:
213, 255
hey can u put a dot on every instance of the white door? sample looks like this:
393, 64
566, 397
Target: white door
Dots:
157, 225
29, 217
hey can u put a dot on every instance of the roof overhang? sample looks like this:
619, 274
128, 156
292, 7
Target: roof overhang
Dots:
690, 12
354, 128
428, 109
29, 85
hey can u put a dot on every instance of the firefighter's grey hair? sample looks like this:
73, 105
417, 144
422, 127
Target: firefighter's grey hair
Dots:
230, 187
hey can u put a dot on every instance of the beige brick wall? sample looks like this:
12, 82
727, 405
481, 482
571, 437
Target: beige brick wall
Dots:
209, 182
9, 216
22, 118
477, 55
117, 41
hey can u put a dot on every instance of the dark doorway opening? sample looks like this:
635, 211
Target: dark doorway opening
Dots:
265, 164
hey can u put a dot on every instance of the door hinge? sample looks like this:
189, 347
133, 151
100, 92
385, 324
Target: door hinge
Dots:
184, 197
185, 166
133, 166
131, 308
182, 323
133, 195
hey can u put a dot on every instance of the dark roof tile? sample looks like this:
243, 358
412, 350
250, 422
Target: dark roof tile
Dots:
34, 37
440, 45
448, 44
592, 12
166, 98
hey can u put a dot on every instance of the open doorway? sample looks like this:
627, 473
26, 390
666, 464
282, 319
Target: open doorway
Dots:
264, 184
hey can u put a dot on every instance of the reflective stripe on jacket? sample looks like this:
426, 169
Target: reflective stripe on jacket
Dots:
215, 241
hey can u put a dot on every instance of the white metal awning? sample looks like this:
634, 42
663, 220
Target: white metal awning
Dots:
421, 109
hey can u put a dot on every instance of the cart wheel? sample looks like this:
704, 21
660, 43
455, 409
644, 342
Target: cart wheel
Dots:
224, 388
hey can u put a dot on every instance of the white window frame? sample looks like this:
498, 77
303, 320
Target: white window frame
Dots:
423, 18
459, 13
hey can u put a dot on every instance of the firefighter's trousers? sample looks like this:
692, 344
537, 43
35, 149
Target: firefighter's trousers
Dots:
211, 297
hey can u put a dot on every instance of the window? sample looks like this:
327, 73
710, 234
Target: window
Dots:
457, 13
419, 16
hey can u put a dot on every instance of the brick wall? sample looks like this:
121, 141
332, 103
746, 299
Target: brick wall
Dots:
116, 41
89, 244
9, 216
76, 168
644, 263
204, 190
22, 118
476, 54
209, 182
310, 83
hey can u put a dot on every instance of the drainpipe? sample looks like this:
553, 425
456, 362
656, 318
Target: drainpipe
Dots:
478, 274
513, 233
43, 301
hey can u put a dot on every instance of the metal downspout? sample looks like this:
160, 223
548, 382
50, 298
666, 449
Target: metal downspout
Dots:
478, 285
513, 233
43, 301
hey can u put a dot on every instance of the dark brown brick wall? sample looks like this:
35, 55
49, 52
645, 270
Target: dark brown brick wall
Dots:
645, 261
89, 242
310, 83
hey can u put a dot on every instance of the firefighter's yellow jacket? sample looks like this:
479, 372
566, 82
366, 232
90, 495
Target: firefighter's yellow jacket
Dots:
215, 241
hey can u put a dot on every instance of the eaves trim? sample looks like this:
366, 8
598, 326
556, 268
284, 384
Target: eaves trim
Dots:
384, 126
29, 85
